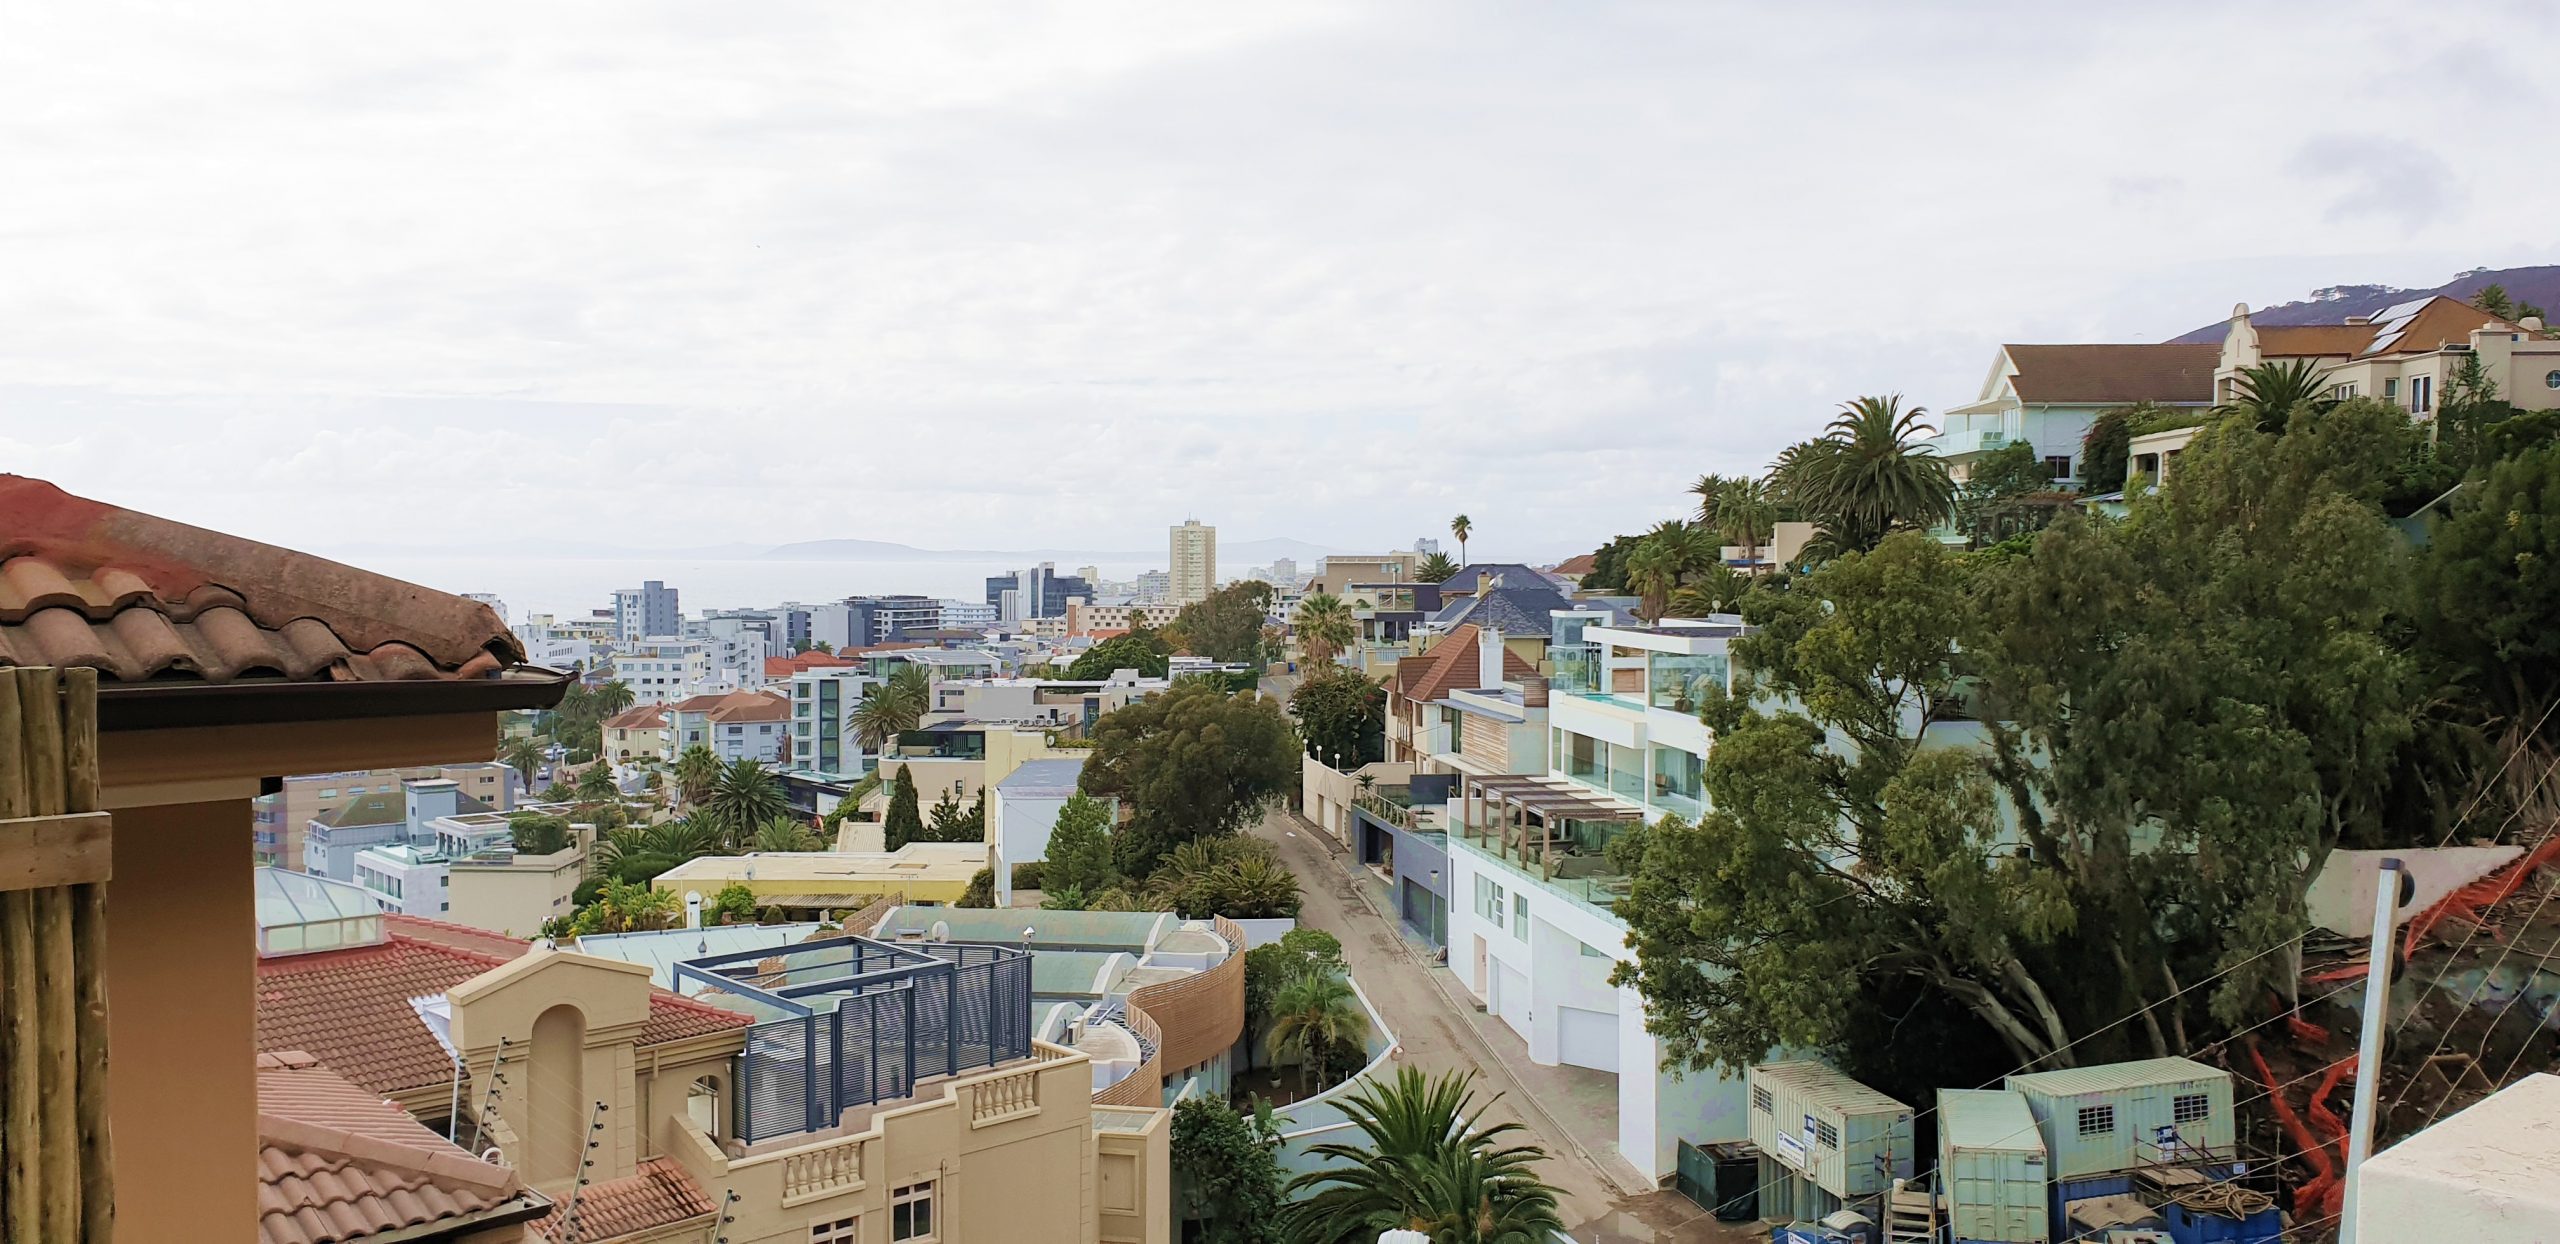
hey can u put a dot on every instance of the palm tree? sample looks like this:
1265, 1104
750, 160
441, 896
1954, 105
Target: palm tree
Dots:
596, 784
1709, 489
696, 770
1462, 527
1869, 474
613, 697
2271, 392
1325, 627
1428, 1165
1437, 568
1745, 513
525, 756
1715, 590
785, 833
1314, 1018
1667, 557
745, 796
893, 708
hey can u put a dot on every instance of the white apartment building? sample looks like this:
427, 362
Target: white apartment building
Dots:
407, 879
664, 670
551, 645
735, 645
969, 613
824, 740
1531, 933
473, 852
735, 725
644, 612
1154, 587
1193, 562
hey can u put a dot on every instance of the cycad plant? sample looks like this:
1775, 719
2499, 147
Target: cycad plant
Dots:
1429, 1164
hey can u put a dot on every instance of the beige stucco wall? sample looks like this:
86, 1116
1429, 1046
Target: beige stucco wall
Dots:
515, 898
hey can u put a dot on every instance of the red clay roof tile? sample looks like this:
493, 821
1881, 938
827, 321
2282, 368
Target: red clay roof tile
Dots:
1453, 665
336, 1163
658, 1194
2114, 373
83, 583
351, 1007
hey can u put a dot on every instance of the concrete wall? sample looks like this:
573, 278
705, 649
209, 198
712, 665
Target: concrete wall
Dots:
2341, 896
514, 899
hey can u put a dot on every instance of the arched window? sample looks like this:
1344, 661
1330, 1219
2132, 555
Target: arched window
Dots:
556, 1109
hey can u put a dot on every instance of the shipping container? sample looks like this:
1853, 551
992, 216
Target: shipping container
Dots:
1723, 1179
2125, 1116
1842, 1137
1991, 1168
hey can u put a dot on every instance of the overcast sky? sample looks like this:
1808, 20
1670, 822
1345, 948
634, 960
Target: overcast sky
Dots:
338, 275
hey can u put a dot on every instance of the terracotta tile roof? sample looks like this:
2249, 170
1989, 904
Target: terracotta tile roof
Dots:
1579, 566
2438, 321
736, 706
83, 583
2114, 373
458, 936
336, 1163
785, 667
658, 1194
1452, 665
638, 717
351, 1007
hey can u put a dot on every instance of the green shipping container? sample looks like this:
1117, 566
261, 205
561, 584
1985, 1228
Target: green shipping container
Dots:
2124, 1116
1991, 1166
1841, 1136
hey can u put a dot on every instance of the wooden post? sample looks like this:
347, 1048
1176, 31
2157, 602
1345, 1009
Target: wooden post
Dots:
55, 1184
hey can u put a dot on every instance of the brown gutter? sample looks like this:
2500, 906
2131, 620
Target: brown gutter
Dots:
180, 703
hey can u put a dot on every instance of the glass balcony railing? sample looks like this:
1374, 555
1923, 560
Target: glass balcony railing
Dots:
1574, 864
1577, 668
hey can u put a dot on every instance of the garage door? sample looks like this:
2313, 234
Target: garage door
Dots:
1586, 1038
1511, 997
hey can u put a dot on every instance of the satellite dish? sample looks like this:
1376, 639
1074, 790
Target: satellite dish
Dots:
941, 931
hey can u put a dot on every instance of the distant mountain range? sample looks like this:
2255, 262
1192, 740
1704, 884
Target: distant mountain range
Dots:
2537, 285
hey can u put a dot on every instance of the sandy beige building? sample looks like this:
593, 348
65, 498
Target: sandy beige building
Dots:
925, 872
281, 820
637, 735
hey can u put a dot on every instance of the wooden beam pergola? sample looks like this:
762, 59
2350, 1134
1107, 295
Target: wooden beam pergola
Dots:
1516, 796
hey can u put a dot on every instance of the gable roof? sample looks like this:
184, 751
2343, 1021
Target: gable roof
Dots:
379, 808
1510, 610
2114, 373
1578, 565
1453, 665
736, 706
337, 1163
1506, 574
351, 1007
2419, 326
638, 717
136, 597
659, 1194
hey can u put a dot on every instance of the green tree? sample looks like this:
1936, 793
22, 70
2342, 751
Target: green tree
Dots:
526, 756
1226, 1173
734, 904
697, 770
629, 908
2492, 585
744, 798
2010, 491
1868, 475
949, 822
1462, 527
2493, 299
596, 784
1430, 1164
1435, 568
1325, 627
537, 833
1079, 853
786, 833
981, 891
612, 698
1342, 715
1745, 514
1228, 625
904, 824
2106, 450
1670, 555
1272, 966
1315, 1020
2270, 394
893, 708
1145, 654
1193, 762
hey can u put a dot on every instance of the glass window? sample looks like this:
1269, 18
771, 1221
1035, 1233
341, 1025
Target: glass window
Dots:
1826, 1135
1520, 916
1679, 780
2422, 394
2391, 386
911, 1213
2551, 380
1680, 680
2097, 1120
2189, 1107
1760, 1098
841, 1231
1488, 900
2058, 466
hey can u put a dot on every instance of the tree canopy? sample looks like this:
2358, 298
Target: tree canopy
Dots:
1079, 853
904, 822
1144, 652
1228, 625
1342, 715
1226, 1172
1193, 762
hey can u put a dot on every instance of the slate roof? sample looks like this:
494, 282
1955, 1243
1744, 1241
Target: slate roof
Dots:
336, 1163
1510, 610
1453, 665
1043, 778
351, 1007
1511, 574
2114, 373
84, 583
658, 1194
380, 808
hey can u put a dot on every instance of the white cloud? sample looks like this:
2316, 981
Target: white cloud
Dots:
1005, 275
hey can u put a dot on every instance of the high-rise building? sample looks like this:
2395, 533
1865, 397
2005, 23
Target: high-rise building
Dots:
1039, 592
1284, 572
645, 612
1194, 562
1092, 575
1155, 587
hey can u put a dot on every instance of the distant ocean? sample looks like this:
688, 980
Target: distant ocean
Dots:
570, 586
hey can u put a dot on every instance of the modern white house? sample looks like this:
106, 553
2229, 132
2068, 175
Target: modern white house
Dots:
663, 670
1022, 809
1531, 933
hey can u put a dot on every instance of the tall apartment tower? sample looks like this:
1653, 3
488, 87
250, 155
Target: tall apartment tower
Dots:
645, 612
1193, 562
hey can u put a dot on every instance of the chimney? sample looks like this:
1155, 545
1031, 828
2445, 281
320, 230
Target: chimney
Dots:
693, 909
1488, 658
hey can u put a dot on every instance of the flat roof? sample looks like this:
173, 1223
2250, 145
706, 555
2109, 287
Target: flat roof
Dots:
931, 861
1043, 777
2502, 1150
1133, 931
2109, 1077
1993, 1119
1821, 1084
